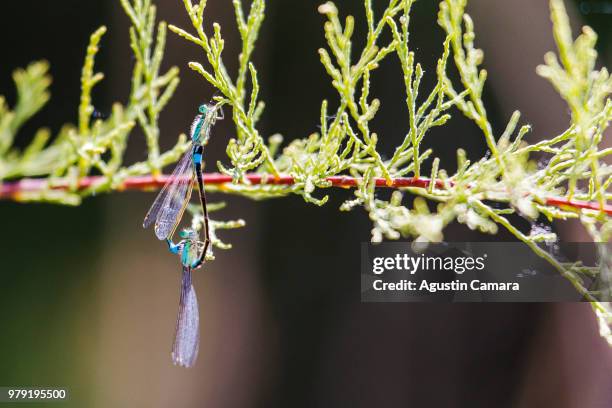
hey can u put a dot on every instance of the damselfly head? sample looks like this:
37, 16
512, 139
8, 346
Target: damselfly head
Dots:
203, 109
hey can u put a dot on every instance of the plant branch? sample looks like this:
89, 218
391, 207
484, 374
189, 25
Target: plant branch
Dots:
19, 190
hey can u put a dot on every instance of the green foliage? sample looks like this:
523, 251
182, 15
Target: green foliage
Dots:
97, 146
587, 93
347, 145
151, 91
197, 224
248, 151
32, 94
480, 194
93, 146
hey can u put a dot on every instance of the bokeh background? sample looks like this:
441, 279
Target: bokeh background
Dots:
88, 299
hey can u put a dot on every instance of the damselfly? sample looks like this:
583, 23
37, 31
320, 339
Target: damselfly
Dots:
169, 206
187, 335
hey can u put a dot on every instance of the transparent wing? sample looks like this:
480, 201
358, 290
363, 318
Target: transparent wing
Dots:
187, 336
169, 188
169, 203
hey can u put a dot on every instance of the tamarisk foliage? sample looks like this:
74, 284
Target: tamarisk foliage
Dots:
347, 144
485, 195
95, 145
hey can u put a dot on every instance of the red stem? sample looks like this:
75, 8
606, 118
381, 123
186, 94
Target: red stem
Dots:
15, 189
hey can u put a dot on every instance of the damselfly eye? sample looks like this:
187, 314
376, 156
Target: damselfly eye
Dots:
203, 109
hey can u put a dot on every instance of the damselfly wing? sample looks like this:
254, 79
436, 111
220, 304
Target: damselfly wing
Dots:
170, 203
187, 335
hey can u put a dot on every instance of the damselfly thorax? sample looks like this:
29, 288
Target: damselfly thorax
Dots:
200, 128
190, 252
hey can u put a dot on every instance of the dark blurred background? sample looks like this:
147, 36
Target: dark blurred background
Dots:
88, 299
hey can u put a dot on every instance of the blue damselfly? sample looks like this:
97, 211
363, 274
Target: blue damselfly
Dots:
169, 206
187, 334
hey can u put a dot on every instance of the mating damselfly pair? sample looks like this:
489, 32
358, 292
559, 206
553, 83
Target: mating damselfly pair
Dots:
166, 214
